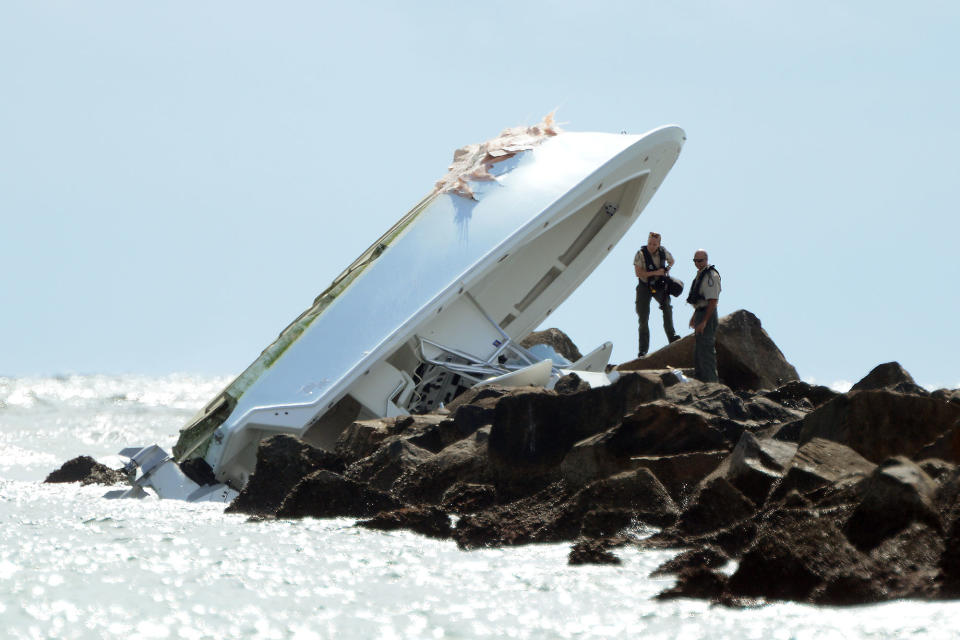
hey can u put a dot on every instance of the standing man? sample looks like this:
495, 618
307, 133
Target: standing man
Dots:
704, 294
651, 265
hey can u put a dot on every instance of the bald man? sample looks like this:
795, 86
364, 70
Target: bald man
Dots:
704, 295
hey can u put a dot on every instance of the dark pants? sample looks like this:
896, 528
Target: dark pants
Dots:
704, 349
643, 312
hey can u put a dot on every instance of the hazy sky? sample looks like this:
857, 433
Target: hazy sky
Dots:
178, 180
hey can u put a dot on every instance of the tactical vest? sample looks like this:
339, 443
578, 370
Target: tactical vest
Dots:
695, 296
654, 282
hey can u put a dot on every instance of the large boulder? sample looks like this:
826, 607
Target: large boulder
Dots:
386, 464
282, 462
532, 432
557, 340
819, 463
638, 492
879, 423
756, 464
429, 521
746, 356
716, 505
86, 470
895, 495
463, 461
551, 515
680, 473
889, 375
324, 494
655, 428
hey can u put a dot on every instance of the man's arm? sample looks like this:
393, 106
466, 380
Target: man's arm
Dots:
711, 309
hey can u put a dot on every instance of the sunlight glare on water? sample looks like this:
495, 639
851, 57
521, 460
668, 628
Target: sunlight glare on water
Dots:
74, 565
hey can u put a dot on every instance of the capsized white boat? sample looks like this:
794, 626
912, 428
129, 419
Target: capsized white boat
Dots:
436, 305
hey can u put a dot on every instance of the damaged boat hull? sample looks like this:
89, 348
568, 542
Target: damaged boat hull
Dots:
440, 302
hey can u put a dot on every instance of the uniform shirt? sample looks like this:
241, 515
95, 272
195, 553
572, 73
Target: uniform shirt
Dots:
638, 260
709, 289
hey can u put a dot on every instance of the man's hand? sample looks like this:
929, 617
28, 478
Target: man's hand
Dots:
700, 327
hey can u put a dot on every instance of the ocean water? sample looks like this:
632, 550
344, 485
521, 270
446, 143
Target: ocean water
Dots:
74, 565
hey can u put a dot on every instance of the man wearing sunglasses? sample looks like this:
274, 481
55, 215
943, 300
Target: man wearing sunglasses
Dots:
704, 294
651, 265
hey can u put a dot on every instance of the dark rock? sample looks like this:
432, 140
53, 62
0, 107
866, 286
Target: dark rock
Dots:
532, 432
879, 424
746, 356
86, 470
797, 394
467, 497
593, 552
939, 470
282, 462
363, 437
946, 446
696, 582
638, 491
886, 376
603, 523
324, 494
896, 494
463, 461
386, 464
680, 473
947, 395
548, 516
558, 340
706, 558
655, 428
819, 463
792, 556
570, 383
755, 465
429, 521
717, 505
949, 563
732, 540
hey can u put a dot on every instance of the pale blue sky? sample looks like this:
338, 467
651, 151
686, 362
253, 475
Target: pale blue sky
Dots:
179, 180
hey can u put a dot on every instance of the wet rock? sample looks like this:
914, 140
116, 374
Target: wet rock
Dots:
792, 556
363, 437
949, 563
895, 495
429, 521
696, 582
638, 492
282, 462
717, 505
680, 473
86, 470
819, 463
756, 464
558, 340
704, 558
569, 384
603, 523
468, 497
746, 356
463, 461
324, 494
386, 464
946, 446
879, 424
889, 375
655, 428
532, 432
593, 552
798, 395
550, 515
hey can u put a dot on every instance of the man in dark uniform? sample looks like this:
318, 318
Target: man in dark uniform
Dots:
651, 265
704, 294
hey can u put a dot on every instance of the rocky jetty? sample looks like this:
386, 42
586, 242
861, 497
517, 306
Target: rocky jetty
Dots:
769, 488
